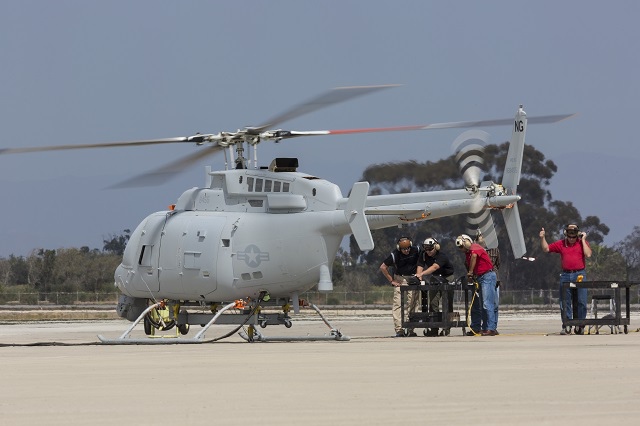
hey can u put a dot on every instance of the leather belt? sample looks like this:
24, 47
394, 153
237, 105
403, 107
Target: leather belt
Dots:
572, 271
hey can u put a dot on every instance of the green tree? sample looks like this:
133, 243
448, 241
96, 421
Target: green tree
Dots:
41, 270
117, 243
629, 249
605, 264
16, 271
86, 271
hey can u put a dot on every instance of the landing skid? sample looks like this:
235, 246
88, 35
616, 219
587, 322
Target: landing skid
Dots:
124, 339
252, 336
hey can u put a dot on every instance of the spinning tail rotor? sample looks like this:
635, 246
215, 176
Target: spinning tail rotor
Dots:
469, 149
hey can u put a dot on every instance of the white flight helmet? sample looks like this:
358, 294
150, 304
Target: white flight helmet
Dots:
463, 241
431, 243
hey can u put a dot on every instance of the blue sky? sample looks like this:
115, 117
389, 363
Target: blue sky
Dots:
88, 72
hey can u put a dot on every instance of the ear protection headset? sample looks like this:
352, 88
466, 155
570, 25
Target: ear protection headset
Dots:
463, 241
404, 242
431, 242
571, 227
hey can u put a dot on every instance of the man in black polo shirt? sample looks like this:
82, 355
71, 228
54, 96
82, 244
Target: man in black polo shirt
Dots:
403, 259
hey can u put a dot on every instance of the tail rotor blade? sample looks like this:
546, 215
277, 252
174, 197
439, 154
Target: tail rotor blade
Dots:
482, 223
469, 150
469, 154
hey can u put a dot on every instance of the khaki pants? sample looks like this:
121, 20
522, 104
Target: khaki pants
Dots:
412, 303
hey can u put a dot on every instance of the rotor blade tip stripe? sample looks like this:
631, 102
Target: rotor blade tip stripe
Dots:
374, 129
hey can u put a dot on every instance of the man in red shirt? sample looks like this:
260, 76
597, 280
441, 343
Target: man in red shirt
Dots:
573, 249
480, 270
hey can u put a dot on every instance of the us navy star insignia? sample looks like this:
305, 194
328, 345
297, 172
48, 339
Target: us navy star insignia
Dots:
252, 256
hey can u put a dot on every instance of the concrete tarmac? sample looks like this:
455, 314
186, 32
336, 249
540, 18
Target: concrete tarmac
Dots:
527, 375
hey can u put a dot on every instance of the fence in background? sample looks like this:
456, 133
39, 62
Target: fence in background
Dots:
382, 296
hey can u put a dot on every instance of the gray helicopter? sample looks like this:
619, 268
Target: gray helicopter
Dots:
222, 254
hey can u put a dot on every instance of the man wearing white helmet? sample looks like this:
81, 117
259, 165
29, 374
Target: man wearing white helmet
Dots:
480, 270
434, 262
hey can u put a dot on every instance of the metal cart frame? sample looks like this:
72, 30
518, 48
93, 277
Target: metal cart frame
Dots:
615, 287
425, 319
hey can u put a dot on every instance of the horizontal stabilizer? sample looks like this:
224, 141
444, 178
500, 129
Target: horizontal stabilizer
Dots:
405, 213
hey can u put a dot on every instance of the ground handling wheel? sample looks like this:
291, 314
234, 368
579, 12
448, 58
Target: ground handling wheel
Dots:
158, 319
183, 328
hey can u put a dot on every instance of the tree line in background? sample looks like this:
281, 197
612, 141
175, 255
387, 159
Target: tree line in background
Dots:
91, 270
537, 209
64, 270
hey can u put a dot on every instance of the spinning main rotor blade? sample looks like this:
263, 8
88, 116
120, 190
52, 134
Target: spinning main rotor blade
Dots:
162, 174
254, 135
320, 102
339, 94
285, 134
190, 139
168, 171
334, 96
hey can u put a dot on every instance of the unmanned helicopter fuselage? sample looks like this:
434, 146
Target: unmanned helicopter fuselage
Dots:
246, 232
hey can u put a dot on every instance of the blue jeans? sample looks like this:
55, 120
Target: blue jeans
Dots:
485, 317
572, 277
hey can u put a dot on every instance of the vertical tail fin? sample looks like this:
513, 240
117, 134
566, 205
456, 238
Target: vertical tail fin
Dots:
513, 166
510, 181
